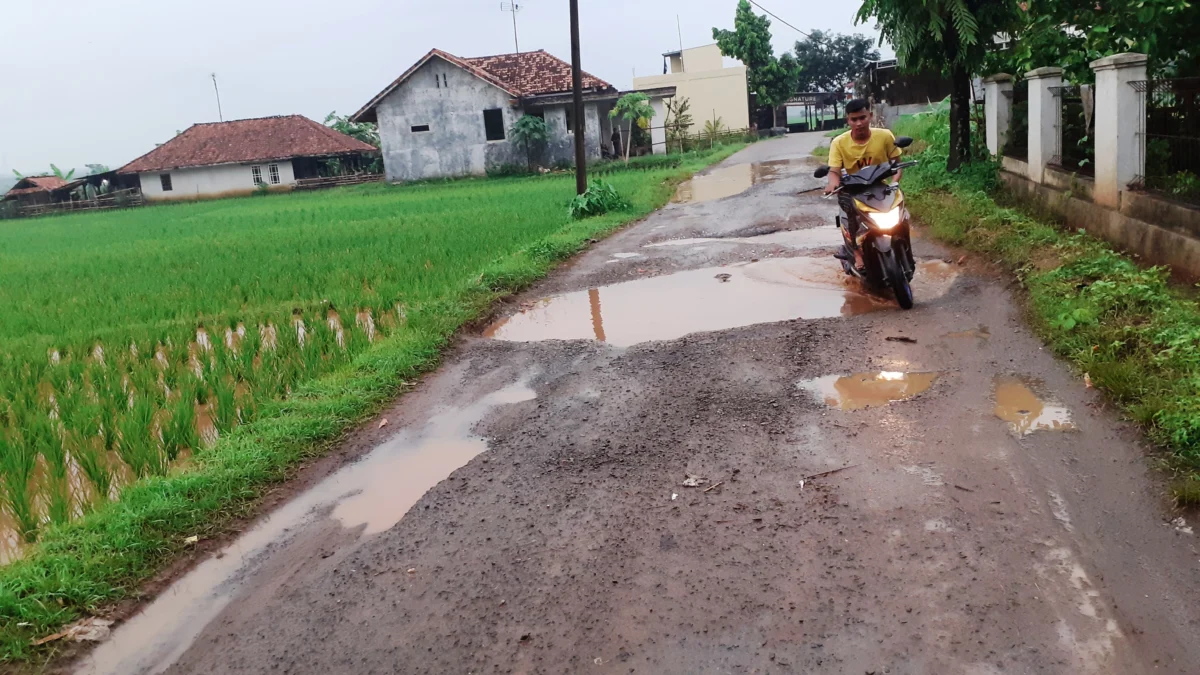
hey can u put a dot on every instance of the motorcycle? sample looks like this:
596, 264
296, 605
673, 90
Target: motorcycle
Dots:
883, 231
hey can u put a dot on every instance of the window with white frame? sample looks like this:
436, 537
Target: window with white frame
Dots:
256, 174
273, 173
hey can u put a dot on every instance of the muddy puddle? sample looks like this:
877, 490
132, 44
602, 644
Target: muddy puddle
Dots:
671, 306
728, 181
373, 493
817, 237
1019, 403
864, 390
696, 301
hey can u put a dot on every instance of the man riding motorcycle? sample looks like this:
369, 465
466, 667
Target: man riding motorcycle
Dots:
860, 147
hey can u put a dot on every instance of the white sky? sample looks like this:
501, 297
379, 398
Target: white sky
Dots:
102, 82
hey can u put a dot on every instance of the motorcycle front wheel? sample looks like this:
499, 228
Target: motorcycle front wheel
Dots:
896, 279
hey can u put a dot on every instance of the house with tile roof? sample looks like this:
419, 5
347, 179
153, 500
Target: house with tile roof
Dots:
222, 159
35, 190
451, 116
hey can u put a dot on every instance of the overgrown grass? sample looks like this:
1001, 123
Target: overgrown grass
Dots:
821, 151
423, 259
1127, 327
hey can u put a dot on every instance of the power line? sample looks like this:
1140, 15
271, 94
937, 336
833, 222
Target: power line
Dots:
778, 19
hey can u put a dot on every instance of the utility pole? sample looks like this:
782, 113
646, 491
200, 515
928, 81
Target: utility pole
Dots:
577, 90
679, 30
514, 8
220, 115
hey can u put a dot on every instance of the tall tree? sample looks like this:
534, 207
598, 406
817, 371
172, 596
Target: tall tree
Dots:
829, 61
772, 79
947, 36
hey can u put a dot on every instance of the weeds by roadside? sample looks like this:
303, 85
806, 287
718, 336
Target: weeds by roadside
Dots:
1134, 334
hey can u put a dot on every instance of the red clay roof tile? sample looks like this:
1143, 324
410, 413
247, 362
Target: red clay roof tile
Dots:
253, 140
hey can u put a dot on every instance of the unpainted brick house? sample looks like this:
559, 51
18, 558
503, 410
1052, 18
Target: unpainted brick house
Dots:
451, 116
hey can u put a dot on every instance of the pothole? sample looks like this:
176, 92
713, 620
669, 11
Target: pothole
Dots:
819, 237
716, 298
726, 181
671, 306
1025, 411
863, 390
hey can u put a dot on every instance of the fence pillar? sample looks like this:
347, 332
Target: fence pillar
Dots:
997, 109
1120, 116
1043, 132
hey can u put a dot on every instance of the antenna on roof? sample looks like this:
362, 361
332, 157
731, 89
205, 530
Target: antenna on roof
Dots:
513, 7
220, 115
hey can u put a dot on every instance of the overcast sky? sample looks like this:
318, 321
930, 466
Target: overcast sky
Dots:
102, 82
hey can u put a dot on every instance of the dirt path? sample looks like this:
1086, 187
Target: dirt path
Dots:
566, 541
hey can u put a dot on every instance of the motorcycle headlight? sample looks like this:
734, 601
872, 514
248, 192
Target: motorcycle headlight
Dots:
886, 220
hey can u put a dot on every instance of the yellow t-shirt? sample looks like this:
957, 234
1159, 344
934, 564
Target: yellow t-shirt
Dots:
845, 153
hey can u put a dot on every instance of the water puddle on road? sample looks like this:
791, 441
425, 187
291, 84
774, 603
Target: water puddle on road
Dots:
726, 181
671, 306
863, 390
1026, 411
817, 237
374, 492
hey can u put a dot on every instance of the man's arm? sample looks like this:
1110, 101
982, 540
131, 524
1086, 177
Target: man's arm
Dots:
835, 180
835, 167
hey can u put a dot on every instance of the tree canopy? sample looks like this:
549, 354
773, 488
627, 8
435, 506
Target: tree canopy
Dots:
772, 79
951, 37
828, 61
364, 131
1073, 33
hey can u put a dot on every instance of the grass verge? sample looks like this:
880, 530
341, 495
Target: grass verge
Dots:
84, 565
1135, 335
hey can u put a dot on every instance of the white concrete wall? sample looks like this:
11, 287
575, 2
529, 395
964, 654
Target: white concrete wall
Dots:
721, 90
658, 134
213, 181
700, 59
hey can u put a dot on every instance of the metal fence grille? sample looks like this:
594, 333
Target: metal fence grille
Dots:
1169, 138
1073, 120
1016, 144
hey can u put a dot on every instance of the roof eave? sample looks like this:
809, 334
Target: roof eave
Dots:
241, 162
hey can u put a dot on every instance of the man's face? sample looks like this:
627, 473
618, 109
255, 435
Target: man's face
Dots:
860, 122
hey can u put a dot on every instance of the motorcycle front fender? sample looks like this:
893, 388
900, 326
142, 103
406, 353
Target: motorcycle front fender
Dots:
883, 243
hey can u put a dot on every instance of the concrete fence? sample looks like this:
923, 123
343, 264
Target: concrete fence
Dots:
1110, 202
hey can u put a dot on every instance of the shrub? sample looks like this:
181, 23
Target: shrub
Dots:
599, 199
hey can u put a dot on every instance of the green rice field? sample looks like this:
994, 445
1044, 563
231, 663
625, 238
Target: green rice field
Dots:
160, 366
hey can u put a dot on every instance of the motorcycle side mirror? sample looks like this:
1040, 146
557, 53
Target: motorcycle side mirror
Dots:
821, 172
903, 141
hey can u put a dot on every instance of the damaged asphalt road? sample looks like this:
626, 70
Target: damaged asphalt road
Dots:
528, 512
